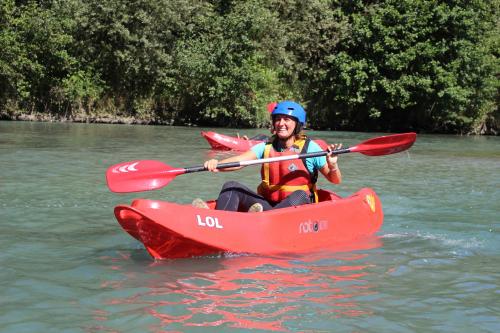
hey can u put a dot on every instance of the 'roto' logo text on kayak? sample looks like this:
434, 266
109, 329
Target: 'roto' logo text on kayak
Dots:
312, 226
209, 221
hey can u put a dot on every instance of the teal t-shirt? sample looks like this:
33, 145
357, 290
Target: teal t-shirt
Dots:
312, 163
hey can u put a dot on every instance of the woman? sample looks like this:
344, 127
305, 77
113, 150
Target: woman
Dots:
284, 183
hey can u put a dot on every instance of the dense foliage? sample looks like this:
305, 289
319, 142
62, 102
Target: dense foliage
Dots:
388, 65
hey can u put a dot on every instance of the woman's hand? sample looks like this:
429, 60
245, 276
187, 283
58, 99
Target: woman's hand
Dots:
211, 165
331, 158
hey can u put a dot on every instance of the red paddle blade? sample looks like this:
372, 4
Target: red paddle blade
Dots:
143, 175
385, 145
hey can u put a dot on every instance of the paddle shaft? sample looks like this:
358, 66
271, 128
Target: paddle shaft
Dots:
267, 160
148, 175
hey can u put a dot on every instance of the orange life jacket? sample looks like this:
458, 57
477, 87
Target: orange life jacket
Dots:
280, 179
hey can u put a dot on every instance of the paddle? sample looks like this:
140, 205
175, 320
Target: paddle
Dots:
146, 175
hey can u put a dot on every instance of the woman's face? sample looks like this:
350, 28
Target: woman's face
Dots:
284, 126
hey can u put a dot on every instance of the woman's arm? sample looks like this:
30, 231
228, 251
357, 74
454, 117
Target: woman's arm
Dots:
211, 165
331, 169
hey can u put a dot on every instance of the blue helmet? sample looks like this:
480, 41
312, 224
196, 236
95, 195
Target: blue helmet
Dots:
291, 109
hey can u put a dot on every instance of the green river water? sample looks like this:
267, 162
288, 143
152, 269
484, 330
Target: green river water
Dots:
67, 266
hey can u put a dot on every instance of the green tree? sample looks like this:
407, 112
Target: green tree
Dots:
312, 31
130, 44
10, 55
224, 76
355, 65
36, 41
410, 64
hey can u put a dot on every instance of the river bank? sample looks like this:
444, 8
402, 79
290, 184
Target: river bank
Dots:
106, 118
490, 127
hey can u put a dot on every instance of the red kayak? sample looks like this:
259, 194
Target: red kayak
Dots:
170, 230
226, 142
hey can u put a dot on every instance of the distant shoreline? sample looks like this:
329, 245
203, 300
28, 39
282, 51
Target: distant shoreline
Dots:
122, 120
91, 119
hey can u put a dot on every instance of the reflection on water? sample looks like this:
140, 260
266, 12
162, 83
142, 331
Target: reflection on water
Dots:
220, 154
246, 292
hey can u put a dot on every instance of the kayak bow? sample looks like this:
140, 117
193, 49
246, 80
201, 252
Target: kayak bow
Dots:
225, 142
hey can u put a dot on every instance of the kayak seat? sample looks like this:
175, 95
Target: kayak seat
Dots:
323, 195
326, 195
